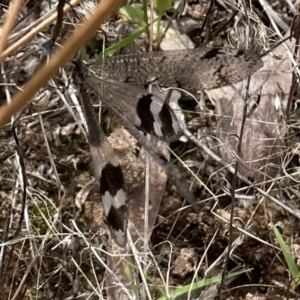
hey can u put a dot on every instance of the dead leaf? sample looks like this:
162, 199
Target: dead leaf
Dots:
265, 128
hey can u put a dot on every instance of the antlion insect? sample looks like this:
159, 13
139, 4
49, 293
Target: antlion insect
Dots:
118, 83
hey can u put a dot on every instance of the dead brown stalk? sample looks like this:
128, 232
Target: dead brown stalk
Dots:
27, 37
61, 57
11, 16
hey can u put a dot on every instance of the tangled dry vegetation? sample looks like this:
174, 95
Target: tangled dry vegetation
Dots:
54, 242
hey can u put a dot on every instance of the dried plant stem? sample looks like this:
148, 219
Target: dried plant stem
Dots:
61, 57
27, 37
11, 17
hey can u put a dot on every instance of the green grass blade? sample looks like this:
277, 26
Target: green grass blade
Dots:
134, 13
286, 253
199, 284
112, 49
162, 6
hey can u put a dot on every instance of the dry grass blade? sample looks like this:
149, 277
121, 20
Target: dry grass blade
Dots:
14, 8
17, 41
61, 57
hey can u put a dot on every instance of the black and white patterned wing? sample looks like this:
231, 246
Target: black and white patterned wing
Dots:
194, 70
108, 174
145, 110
